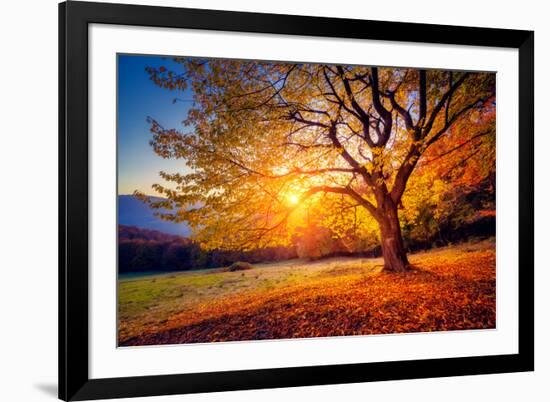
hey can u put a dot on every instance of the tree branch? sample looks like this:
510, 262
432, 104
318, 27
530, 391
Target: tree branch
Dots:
442, 101
348, 158
453, 119
455, 148
346, 191
422, 96
401, 110
334, 93
384, 114
363, 116
404, 172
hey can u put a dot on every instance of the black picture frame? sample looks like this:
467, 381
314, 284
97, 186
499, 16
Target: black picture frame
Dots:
74, 381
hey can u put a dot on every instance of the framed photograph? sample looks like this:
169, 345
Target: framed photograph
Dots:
258, 201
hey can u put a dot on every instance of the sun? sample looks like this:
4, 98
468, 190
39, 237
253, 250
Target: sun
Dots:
293, 199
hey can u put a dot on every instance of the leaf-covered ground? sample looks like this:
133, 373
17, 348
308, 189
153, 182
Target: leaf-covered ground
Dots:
451, 288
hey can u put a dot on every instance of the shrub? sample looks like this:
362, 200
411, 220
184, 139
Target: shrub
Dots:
238, 266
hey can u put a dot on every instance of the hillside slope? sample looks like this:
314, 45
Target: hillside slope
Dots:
451, 288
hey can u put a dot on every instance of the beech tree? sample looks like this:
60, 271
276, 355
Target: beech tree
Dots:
268, 144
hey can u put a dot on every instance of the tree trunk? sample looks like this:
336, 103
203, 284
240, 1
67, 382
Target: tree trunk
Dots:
393, 250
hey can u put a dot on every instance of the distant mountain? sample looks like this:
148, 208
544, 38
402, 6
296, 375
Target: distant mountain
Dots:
133, 212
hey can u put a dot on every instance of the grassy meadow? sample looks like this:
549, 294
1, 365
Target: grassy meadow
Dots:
451, 288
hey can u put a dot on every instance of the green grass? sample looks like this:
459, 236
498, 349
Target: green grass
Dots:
156, 297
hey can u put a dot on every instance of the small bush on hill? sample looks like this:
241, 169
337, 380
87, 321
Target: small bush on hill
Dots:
238, 266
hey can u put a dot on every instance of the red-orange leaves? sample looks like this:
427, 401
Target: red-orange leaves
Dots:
449, 289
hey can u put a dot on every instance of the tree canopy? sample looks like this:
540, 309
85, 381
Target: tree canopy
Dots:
277, 148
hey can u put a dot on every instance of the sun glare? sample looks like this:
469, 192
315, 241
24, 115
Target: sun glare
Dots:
293, 199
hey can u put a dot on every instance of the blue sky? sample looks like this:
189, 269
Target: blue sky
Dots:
138, 98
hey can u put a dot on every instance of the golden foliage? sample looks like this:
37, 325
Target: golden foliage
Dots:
272, 146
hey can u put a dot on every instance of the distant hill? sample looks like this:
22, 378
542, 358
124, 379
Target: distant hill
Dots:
133, 212
135, 233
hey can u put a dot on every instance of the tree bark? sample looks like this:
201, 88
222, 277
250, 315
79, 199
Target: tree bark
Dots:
393, 250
